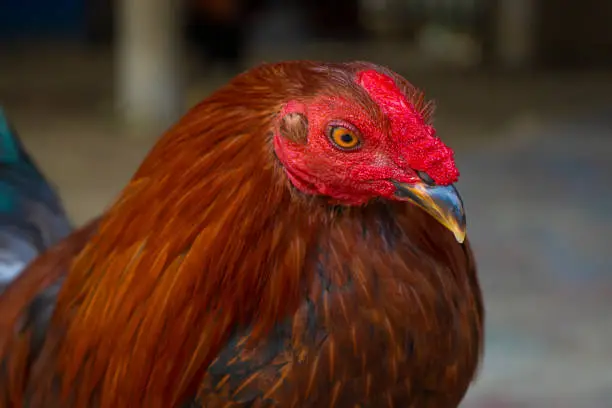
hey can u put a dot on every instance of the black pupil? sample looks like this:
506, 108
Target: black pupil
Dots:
346, 137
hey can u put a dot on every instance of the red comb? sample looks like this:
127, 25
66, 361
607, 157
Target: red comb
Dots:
419, 144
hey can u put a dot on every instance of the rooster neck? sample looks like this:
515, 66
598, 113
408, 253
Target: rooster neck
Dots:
178, 263
386, 285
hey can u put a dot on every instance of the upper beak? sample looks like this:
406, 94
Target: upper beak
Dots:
443, 203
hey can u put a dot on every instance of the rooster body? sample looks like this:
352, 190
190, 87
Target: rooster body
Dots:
263, 255
31, 214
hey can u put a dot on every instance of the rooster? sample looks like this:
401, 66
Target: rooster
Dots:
32, 217
295, 240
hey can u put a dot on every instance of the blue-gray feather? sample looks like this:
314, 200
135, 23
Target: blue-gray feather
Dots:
32, 217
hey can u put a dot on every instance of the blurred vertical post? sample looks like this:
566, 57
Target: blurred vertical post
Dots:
149, 88
515, 33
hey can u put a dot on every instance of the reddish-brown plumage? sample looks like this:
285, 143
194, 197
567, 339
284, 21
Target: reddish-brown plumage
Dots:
210, 262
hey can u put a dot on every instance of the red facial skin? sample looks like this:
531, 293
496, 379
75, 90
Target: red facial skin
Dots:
391, 149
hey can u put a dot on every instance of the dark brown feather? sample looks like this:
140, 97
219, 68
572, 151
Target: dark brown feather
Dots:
393, 318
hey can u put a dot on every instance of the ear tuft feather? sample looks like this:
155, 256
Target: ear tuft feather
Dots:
294, 127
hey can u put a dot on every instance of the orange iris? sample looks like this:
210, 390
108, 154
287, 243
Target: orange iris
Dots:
344, 138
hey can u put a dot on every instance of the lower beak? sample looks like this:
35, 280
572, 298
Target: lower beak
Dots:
443, 203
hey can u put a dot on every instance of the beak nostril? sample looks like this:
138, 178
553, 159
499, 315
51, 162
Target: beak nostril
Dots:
426, 178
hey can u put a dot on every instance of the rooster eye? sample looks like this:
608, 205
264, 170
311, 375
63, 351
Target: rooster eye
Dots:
343, 138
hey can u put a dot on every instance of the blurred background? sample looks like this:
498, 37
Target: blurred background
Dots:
524, 89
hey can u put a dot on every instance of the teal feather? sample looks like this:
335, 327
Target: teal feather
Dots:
7, 198
9, 151
32, 217
9, 154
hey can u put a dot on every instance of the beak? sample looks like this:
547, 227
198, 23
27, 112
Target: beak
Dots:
443, 203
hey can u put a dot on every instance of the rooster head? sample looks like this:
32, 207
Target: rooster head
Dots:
364, 135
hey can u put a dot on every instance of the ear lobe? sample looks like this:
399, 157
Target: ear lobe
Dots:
294, 127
